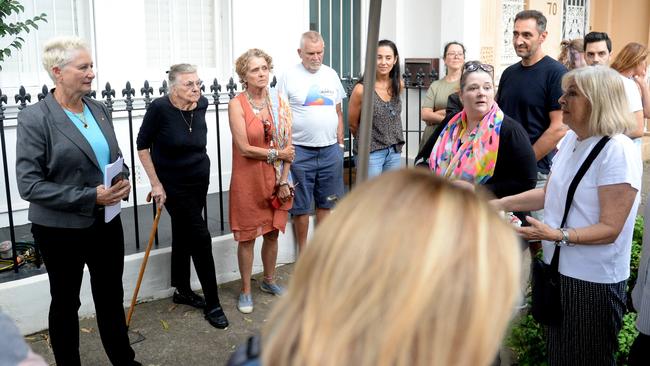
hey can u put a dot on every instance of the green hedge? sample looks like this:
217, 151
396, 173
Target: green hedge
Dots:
528, 341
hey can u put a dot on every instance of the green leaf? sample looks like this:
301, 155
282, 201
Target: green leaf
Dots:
7, 52
164, 324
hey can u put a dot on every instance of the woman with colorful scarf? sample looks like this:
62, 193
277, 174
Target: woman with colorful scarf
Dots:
261, 190
480, 144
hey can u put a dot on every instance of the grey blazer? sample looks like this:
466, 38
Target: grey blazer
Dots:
56, 168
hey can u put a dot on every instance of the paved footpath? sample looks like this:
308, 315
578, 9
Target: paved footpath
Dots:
177, 334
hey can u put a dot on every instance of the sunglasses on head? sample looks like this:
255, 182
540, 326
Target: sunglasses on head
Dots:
474, 66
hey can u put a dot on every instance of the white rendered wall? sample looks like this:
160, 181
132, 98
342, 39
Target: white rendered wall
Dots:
119, 52
272, 26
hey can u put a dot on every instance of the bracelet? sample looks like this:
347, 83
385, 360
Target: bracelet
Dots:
577, 239
564, 241
283, 184
272, 156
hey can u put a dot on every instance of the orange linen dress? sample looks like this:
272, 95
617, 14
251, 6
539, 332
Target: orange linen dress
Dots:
251, 186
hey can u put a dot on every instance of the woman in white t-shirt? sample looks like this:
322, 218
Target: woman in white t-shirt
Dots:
597, 237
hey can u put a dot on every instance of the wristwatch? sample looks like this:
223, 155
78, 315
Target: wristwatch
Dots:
565, 238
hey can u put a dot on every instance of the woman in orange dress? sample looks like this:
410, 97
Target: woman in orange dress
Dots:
260, 187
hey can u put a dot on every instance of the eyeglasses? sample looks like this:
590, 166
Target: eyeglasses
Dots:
455, 54
474, 66
189, 84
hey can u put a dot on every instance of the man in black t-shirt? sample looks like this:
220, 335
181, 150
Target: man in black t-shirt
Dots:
529, 90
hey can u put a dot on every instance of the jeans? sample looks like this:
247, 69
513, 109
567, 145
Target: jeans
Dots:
383, 160
318, 175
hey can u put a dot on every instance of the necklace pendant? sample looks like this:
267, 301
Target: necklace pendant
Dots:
190, 129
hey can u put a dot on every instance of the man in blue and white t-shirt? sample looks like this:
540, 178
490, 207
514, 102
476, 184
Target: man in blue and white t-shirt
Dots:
315, 94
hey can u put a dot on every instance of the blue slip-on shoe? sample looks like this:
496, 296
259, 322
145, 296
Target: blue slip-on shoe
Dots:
245, 303
272, 288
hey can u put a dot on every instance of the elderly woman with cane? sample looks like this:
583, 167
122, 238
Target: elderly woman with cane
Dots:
64, 143
172, 148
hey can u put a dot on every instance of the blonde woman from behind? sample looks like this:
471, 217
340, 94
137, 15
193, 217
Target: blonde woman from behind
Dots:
376, 287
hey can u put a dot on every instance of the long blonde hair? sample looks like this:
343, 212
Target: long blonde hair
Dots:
408, 270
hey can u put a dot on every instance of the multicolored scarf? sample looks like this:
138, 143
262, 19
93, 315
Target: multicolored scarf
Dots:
281, 126
473, 160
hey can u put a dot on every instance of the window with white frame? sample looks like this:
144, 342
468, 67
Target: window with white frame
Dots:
64, 17
180, 31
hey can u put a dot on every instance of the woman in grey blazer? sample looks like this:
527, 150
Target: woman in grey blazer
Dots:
64, 142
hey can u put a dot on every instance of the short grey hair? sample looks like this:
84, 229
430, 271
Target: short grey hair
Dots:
311, 36
59, 51
176, 69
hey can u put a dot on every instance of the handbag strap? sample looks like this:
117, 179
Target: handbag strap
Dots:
555, 262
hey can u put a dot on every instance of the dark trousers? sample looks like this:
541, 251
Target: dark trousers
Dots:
191, 239
592, 316
65, 252
640, 351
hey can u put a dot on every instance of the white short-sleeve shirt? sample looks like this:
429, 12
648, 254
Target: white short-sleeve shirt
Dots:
633, 95
618, 162
313, 98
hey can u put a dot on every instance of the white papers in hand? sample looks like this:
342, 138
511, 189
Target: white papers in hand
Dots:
110, 172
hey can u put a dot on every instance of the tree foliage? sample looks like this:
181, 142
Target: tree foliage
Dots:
10, 33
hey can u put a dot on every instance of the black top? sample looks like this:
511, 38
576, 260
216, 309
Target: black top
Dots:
515, 170
528, 94
178, 155
454, 105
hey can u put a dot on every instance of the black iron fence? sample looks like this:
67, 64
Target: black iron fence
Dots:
130, 101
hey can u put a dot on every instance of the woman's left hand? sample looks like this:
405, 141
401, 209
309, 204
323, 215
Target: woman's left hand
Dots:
284, 193
538, 231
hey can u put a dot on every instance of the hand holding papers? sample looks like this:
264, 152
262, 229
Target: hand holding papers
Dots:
110, 172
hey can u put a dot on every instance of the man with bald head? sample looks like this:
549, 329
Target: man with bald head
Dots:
315, 94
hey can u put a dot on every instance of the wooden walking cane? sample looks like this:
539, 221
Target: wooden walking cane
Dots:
152, 235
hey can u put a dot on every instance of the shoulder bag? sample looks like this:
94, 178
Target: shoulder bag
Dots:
546, 306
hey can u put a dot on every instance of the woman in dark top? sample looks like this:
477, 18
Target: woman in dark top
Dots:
171, 145
387, 137
481, 145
